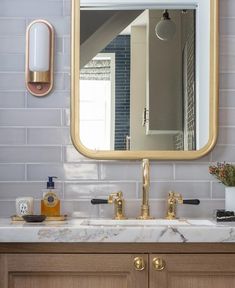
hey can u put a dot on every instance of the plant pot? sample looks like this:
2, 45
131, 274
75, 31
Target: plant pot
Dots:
230, 198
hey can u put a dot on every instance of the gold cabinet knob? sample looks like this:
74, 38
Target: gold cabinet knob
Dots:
139, 264
158, 264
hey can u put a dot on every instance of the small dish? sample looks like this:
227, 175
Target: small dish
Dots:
34, 218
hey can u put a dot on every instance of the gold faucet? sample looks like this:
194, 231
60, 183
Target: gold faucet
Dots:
173, 199
145, 208
119, 205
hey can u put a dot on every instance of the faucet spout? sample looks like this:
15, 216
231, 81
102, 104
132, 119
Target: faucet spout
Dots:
146, 181
145, 207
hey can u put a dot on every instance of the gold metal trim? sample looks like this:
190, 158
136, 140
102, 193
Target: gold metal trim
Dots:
145, 207
158, 264
172, 200
39, 78
139, 155
139, 263
119, 205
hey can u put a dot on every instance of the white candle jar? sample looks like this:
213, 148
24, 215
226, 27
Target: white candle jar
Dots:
24, 206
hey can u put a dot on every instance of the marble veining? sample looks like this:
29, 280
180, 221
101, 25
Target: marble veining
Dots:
76, 230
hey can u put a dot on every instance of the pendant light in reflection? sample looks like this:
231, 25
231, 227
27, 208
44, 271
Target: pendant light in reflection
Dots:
165, 28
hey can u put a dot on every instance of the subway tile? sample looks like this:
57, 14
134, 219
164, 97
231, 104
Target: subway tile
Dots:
12, 190
67, 80
227, 99
64, 171
56, 99
84, 171
66, 7
66, 117
227, 45
226, 117
99, 189
161, 171
40, 172
79, 173
62, 63
12, 136
28, 154
227, 26
12, 81
12, 62
159, 190
132, 171
7, 208
58, 47
227, 80
12, 172
30, 117
223, 153
67, 44
60, 82
12, 99
120, 171
81, 208
192, 172
227, 63
30, 8
46, 136
227, 8
205, 209
12, 44
12, 26
72, 155
218, 190
226, 135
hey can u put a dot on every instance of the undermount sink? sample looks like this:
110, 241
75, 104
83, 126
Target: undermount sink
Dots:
142, 223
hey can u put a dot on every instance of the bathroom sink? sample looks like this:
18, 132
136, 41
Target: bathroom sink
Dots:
201, 222
142, 223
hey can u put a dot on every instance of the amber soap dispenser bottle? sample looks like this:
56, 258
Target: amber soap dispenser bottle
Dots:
50, 204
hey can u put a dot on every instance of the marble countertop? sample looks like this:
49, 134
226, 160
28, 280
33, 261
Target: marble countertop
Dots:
81, 230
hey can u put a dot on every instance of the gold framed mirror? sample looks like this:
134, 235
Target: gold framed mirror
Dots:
188, 97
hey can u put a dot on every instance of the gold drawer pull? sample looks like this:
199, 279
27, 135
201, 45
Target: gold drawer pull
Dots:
139, 264
158, 264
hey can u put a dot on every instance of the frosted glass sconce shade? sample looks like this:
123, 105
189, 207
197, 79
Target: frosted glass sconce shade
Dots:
39, 57
39, 47
165, 28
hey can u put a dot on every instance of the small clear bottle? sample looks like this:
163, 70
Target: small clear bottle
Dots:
50, 204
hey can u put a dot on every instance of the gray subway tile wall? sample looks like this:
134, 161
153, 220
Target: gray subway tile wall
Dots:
34, 132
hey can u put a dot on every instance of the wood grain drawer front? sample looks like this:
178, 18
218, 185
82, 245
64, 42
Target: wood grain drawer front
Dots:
72, 271
193, 271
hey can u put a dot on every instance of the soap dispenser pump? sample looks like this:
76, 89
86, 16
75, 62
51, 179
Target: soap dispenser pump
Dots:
50, 204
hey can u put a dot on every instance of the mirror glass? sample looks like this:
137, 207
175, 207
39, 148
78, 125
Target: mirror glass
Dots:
145, 78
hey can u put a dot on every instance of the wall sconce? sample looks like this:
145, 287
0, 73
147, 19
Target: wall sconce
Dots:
39, 57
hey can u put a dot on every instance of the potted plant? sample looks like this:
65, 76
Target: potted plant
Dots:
225, 173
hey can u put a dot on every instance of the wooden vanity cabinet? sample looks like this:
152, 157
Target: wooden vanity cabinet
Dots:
113, 266
71, 271
194, 271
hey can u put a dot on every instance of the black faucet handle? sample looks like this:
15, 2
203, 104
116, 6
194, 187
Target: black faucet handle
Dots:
191, 201
99, 201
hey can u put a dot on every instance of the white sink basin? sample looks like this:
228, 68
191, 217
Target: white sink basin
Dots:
201, 222
140, 223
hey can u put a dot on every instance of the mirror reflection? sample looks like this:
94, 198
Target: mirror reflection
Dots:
137, 80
